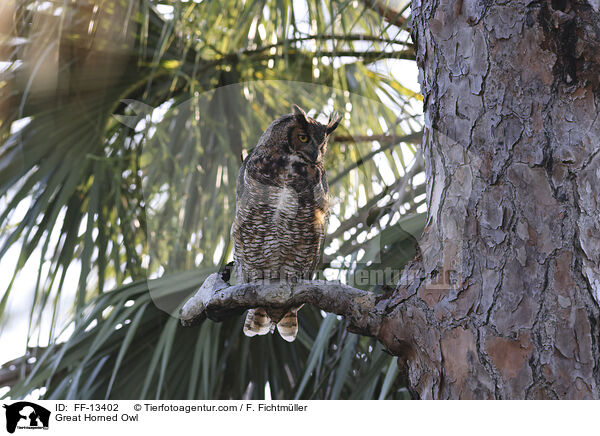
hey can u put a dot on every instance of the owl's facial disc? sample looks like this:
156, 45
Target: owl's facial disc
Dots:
307, 144
312, 154
308, 149
308, 138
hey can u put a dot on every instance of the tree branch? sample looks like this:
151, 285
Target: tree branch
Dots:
390, 141
217, 300
388, 13
386, 138
18, 369
327, 37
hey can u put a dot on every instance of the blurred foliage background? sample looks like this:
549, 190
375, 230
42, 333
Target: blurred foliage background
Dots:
122, 127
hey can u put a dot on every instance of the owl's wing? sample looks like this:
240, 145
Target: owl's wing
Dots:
324, 182
235, 226
325, 185
239, 191
325, 203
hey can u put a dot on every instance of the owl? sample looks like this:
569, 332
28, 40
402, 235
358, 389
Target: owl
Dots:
282, 212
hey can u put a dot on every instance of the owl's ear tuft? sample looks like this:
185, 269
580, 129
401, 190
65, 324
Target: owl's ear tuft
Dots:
334, 121
300, 114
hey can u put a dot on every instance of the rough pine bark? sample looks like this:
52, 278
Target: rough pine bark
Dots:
504, 300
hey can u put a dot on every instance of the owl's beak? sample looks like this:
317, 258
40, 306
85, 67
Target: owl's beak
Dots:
314, 155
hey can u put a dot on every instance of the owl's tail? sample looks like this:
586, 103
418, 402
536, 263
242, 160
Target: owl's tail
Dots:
288, 325
258, 322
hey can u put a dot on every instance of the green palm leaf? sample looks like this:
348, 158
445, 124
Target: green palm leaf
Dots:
135, 117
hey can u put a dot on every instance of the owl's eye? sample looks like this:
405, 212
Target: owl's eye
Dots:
303, 138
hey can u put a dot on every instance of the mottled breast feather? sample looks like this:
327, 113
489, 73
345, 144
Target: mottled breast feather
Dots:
281, 210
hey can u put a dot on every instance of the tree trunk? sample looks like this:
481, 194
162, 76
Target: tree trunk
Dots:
504, 300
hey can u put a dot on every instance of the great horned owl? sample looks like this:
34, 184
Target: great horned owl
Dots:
281, 212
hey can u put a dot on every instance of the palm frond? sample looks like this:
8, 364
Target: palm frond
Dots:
134, 117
